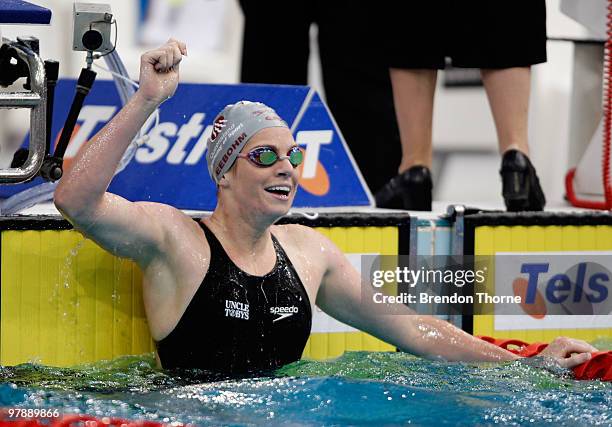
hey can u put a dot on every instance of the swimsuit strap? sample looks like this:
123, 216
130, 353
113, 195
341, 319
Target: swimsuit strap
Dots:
216, 248
281, 255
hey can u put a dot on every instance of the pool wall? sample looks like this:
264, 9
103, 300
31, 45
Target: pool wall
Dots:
66, 301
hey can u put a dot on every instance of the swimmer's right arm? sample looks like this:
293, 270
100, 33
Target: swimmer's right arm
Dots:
125, 228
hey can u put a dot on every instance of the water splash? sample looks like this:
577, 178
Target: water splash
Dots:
357, 388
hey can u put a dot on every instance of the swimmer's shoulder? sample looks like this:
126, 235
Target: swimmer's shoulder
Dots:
181, 235
294, 232
302, 237
174, 223
162, 212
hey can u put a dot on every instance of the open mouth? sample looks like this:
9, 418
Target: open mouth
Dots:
281, 191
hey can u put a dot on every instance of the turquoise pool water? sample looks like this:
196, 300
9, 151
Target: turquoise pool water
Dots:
356, 389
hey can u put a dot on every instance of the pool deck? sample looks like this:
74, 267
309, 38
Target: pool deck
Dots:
439, 209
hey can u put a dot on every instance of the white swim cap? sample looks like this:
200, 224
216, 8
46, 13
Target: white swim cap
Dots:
232, 129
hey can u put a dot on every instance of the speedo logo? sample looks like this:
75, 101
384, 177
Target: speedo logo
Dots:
177, 143
283, 312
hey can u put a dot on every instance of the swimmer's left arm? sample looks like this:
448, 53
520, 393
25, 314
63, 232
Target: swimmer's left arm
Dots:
344, 296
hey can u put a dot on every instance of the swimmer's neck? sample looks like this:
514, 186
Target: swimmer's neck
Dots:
243, 233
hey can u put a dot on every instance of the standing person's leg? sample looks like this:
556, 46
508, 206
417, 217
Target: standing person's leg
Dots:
508, 93
414, 48
413, 94
489, 40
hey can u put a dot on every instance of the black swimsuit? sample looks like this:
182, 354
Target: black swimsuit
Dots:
238, 323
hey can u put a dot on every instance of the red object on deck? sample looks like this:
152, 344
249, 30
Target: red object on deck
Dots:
605, 204
599, 367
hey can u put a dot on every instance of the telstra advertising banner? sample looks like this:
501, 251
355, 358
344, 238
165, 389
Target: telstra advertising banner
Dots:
170, 167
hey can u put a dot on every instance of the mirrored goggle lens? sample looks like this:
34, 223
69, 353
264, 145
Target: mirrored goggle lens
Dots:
296, 156
265, 157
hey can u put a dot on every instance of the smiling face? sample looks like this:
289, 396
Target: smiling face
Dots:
267, 191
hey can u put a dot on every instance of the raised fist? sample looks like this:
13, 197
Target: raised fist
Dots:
159, 71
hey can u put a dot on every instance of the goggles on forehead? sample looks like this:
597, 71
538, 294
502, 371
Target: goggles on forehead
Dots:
266, 156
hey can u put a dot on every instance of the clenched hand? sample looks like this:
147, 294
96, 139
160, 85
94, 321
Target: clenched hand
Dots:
159, 71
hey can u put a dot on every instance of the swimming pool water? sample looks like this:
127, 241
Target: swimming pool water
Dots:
356, 389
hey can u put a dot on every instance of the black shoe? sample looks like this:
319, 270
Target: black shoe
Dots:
520, 184
390, 195
410, 190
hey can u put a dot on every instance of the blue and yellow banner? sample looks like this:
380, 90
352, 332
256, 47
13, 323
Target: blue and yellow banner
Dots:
170, 167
